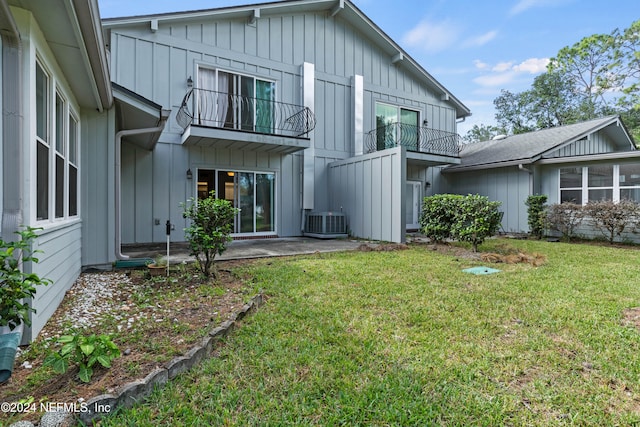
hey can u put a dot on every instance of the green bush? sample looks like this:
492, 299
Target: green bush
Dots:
210, 229
16, 286
476, 219
470, 218
438, 215
536, 205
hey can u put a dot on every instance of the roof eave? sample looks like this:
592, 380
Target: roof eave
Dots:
88, 16
344, 8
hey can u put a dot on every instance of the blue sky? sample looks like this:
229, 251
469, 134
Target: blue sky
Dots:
474, 48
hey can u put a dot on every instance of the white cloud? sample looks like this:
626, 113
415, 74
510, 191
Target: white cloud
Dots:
431, 36
505, 73
501, 67
480, 40
532, 65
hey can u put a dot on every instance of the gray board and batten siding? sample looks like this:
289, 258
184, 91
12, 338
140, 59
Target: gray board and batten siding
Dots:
510, 169
157, 63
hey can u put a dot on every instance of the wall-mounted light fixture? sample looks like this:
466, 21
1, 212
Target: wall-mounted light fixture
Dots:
190, 82
189, 174
427, 184
425, 123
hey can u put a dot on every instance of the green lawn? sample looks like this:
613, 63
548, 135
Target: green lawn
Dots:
406, 338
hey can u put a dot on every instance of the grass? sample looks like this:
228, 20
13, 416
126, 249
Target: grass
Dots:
407, 338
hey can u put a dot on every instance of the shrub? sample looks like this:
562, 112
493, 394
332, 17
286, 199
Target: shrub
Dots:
85, 351
536, 205
476, 219
210, 229
438, 213
565, 218
610, 218
470, 218
16, 286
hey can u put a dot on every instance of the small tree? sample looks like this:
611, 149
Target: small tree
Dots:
565, 218
476, 219
610, 218
536, 205
210, 229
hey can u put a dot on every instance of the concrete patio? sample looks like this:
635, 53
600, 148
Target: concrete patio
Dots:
253, 248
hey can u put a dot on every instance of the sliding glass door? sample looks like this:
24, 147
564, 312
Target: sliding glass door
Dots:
235, 101
252, 192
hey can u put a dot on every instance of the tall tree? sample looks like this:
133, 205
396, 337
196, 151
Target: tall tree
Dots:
625, 66
586, 65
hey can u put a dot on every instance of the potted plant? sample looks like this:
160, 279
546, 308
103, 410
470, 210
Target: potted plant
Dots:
159, 266
16, 288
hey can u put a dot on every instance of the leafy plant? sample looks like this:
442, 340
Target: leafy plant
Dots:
210, 229
84, 351
160, 261
476, 219
610, 218
565, 218
536, 205
470, 218
16, 286
438, 215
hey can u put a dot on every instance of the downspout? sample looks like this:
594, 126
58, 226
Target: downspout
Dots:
12, 122
118, 185
530, 172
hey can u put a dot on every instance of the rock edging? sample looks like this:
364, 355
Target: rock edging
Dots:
136, 391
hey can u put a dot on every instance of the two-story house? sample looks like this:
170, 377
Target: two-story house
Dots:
284, 108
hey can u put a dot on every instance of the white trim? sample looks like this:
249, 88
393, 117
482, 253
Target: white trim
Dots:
57, 89
585, 188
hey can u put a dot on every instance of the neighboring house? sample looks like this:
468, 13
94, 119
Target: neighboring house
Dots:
592, 160
283, 108
57, 106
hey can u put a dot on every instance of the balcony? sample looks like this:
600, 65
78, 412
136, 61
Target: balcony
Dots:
224, 120
423, 144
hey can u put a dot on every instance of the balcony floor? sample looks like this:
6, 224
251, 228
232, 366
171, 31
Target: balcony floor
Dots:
204, 136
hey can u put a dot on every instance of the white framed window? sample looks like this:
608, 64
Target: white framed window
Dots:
582, 184
56, 149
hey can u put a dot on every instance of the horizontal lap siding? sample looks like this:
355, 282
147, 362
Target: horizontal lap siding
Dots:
60, 261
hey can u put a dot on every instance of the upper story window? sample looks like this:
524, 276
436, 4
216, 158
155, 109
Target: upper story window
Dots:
397, 126
235, 101
57, 132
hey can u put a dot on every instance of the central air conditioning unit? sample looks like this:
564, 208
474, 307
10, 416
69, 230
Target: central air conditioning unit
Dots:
326, 225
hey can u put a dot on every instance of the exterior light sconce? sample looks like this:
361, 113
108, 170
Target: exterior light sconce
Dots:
189, 174
189, 82
425, 123
427, 185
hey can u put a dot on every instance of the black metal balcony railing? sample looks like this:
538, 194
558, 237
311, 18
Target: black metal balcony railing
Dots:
223, 110
414, 138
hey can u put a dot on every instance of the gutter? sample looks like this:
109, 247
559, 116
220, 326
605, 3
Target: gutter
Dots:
12, 124
164, 115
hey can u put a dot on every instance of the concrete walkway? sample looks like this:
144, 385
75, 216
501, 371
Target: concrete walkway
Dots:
253, 248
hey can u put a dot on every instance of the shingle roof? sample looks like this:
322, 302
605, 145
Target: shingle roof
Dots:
526, 147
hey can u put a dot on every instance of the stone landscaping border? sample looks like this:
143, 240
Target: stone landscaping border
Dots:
136, 391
